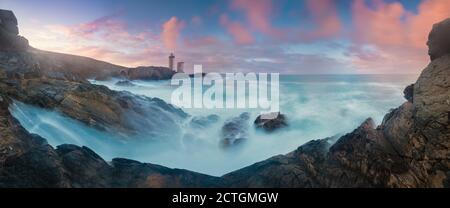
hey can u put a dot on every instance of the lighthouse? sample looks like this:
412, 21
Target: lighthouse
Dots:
171, 61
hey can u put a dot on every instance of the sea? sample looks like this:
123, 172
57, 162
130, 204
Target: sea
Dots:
316, 107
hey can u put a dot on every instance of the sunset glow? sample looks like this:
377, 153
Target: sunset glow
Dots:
301, 37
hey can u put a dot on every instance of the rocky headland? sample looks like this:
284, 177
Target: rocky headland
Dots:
409, 149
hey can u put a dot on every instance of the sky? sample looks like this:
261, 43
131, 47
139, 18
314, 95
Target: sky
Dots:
285, 36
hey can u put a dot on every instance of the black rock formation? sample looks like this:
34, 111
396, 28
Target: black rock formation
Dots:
438, 41
409, 149
408, 93
9, 32
271, 122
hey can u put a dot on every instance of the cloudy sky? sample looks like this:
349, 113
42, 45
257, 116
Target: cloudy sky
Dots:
286, 36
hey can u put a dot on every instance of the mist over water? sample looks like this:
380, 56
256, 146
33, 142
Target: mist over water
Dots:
317, 106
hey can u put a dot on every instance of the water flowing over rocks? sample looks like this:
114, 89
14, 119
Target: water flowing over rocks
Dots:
235, 130
409, 149
59, 82
204, 121
26, 160
125, 83
97, 106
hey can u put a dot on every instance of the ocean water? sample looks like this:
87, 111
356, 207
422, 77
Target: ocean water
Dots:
317, 106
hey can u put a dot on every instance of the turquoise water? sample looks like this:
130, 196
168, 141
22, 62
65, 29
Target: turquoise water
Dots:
317, 106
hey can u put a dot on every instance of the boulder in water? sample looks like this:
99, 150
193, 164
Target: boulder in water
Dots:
124, 83
271, 122
235, 130
203, 122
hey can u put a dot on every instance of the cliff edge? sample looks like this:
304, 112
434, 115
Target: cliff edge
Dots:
409, 149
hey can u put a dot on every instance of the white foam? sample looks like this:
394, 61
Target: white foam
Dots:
314, 110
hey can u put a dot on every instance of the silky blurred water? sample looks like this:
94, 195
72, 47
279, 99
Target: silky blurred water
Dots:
317, 106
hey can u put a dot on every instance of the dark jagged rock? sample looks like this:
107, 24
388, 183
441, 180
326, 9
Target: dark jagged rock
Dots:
408, 93
9, 33
148, 73
203, 122
84, 167
144, 175
124, 83
26, 160
8, 22
95, 105
235, 130
297, 169
409, 149
17, 55
271, 122
438, 41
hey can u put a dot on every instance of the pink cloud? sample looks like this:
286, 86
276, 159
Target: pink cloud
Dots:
397, 36
141, 57
325, 17
258, 13
106, 38
379, 26
87, 30
323, 14
104, 29
171, 32
392, 24
430, 12
240, 34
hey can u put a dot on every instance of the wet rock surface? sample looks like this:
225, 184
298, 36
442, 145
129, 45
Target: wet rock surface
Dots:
9, 33
271, 122
408, 93
124, 83
409, 149
235, 130
204, 121
95, 105
26, 160
438, 41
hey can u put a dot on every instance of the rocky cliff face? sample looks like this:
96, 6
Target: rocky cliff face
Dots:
26, 160
58, 81
409, 149
438, 41
9, 32
18, 56
94, 105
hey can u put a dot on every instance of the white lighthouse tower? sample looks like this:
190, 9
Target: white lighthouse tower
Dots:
171, 62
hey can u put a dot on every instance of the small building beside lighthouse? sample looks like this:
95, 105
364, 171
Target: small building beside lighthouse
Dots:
180, 67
